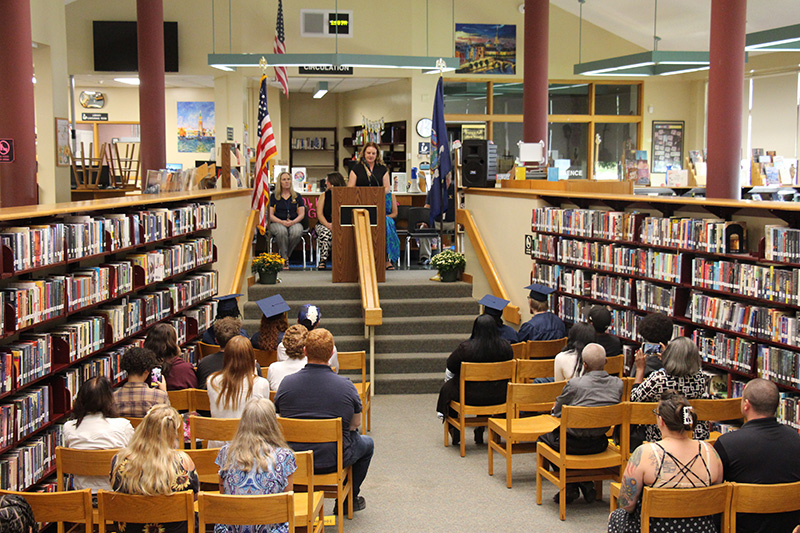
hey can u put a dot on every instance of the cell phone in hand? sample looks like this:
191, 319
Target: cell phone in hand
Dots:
651, 348
155, 376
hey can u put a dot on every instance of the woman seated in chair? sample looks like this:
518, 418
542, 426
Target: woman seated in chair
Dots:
96, 427
257, 461
675, 462
392, 240
162, 340
484, 346
294, 343
151, 465
286, 212
324, 225
568, 362
273, 323
309, 316
237, 382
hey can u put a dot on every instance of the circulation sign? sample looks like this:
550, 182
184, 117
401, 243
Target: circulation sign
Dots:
6, 150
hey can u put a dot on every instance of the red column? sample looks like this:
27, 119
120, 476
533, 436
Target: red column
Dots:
17, 117
535, 93
725, 91
150, 28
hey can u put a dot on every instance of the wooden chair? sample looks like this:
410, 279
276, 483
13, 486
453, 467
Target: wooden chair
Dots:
635, 413
308, 505
545, 349
205, 465
87, 176
529, 369
717, 410
265, 358
198, 400
208, 429
686, 503
179, 399
82, 463
207, 349
119, 507
338, 484
579, 468
358, 361
763, 499
478, 414
245, 510
124, 170
520, 434
615, 366
520, 350
627, 387
73, 506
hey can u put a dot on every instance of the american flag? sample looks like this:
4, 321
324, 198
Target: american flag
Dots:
265, 151
279, 47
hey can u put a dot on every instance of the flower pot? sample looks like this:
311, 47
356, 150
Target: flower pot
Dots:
450, 275
268, 278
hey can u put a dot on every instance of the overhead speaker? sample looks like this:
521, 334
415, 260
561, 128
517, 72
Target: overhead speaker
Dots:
478, 163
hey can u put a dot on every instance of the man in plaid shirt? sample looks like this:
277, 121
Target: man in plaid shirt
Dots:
136, 397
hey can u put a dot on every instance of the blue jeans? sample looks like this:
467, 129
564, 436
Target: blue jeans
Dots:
544, 380
363, 448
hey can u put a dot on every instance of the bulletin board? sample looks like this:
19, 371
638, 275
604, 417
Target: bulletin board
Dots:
667, 149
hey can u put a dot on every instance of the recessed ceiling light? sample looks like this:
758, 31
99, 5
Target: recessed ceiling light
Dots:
128, 81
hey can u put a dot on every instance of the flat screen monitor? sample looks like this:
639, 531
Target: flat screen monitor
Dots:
115, 48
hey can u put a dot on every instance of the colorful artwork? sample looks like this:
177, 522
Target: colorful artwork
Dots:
196, 127
486, 48
62, 142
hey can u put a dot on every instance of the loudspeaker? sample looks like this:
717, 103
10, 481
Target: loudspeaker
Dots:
478, 163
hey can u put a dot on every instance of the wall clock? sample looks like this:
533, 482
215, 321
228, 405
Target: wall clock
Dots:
424, 126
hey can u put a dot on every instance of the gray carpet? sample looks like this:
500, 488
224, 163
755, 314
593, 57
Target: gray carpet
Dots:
416, 484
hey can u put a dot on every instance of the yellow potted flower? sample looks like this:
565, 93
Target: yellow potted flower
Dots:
267, 267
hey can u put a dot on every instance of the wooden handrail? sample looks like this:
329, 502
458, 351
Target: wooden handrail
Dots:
511, 312
367, 277
244, 252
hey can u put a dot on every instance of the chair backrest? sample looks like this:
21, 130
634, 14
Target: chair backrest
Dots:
73, 506
245, 510
207, 349
314, 431
179, 399
265, 357
205, 429
417, 216
135, 421
527, 369
577, 417
764, 499
615, 365
354, 361
484, 372
204, 464
635, 413
119, 507
545, 349
520, 350
719, 409
627, 387
685, 503
534, 397
304, 474
82, 463
199, 400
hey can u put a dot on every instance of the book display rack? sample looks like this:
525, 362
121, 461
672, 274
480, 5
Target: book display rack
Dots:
76, 291
741, 309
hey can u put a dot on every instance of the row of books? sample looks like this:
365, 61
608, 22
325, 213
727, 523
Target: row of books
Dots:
169, 261
655, 298
789, 410
29, 411
752, 320
614, 225
34, 301
82, 335
725, 350
25, 361
781, 244
26, 465
106, 364
34, 246
765, 282
779, 365
624, 322
309, 143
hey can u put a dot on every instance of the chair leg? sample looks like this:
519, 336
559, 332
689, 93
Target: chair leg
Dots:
539, 461
562, 490
463, 430
598, 489
491, 451
446, 433
509, 455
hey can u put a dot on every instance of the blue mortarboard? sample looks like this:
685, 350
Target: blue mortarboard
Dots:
228, 306
493, 305
309, 316
273, 305
539, 292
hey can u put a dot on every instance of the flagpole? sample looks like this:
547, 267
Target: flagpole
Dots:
440, 65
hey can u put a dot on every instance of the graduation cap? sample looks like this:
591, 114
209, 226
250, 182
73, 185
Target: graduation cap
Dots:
273, 306
228, 306
309, 316
539, 292
493, 305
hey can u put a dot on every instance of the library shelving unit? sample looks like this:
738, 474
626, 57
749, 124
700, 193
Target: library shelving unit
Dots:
79, 284
316, 149
392, 144
639, 255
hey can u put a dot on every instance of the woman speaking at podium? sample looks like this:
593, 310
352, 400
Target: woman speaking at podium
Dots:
369, 171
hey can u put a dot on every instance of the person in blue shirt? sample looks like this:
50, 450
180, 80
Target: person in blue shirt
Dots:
493, 306
544, 325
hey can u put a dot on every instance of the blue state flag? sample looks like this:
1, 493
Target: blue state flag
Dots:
441, 164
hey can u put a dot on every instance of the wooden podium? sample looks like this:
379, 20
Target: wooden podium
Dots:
345, 200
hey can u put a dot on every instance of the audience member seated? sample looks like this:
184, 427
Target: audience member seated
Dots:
674, 462
286, 213
225, 329
594, 388
257, 461
324, 225
230, 388
162, 340
484, 346
16, 516
316, 392
600, 319
309, 316
226, 306
682, 372
294, 342
764, 451
392, 240
151, 465
493, 306
448, 225
544, 325
273, 323
655, 328
96, 427
139, 394
569, 362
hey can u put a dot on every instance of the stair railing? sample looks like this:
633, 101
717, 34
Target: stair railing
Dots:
368, 282
244, 253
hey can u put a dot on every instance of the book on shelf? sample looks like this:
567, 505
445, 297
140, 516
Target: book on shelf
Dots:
26, 465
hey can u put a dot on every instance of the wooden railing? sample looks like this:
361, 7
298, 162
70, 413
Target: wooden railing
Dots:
244, 253
511, 312
367, 277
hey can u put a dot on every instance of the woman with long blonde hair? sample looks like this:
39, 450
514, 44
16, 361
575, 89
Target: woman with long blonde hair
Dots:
370, 170
230, 388
286, 212
152, 465
256, 461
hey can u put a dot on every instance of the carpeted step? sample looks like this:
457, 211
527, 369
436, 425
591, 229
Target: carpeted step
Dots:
396, 307
418, 325
420, 383
392, 344
410, 363
311, 292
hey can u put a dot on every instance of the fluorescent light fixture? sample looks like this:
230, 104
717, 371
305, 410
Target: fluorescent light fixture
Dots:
230, 61
785, 39
321, 89
128, 81
654, 63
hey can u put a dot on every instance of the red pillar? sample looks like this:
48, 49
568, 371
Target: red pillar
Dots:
150, 28
725, 92
17, 117
535, 92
